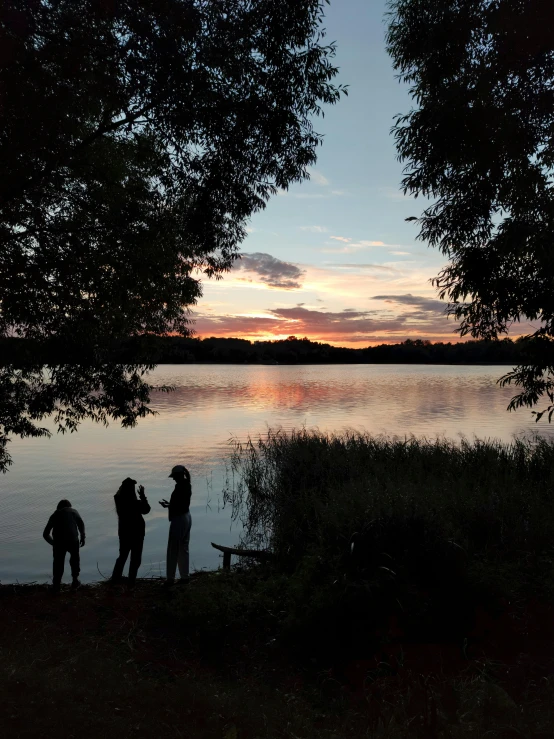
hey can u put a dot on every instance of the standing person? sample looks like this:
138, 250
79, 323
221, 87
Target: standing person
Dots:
68, 533
179, 526
131, 528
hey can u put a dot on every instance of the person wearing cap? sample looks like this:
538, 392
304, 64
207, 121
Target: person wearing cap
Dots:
131, 528
179, 525
65, 532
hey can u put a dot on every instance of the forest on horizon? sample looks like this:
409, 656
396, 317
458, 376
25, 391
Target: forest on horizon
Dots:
213, 350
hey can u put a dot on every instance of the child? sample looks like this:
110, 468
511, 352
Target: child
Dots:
66, 525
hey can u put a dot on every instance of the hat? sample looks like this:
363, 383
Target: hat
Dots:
177, 470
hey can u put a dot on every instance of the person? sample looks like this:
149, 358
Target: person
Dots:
179, 525
131, 529
65, 532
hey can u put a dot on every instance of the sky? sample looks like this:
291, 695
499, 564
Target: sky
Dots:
333, 259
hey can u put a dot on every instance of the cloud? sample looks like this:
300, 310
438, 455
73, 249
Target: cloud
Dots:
373, 243
327, 323
341, 238
350, 248
311, 195
355, 266
318, 324
426, 305
318, 178
348, 327
393, 193
315, 229
271, 271
353, 248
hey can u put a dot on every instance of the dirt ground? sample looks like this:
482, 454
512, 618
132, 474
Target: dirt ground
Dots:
107, 662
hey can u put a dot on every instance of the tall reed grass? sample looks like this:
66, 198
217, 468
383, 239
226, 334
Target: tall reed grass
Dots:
293, 491
369, 521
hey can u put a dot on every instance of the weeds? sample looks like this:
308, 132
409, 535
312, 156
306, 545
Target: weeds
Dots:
370, 529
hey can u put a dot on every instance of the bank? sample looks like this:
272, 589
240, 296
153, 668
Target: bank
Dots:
111, 662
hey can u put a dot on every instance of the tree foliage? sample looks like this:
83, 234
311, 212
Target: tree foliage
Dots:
480, 144
136, 139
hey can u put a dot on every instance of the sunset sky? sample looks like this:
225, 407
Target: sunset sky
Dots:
333, 259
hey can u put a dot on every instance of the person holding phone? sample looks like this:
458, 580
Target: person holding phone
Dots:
180, 523
131, 528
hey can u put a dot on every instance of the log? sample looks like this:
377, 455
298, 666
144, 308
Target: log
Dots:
227, 551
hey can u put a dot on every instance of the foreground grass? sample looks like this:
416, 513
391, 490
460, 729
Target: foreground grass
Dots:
111, 663
108, 663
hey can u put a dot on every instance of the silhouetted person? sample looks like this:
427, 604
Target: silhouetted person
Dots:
68, 533
130, 511
179, 526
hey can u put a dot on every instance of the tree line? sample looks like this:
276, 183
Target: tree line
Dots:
184, 350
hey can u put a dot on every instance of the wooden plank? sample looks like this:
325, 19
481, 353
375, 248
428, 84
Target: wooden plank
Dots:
254, 553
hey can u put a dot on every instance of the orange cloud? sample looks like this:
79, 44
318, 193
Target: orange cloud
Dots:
349, 327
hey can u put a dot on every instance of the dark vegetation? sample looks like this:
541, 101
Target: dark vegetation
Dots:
410, 596
109, 663
369, 529
181, 350
479, 145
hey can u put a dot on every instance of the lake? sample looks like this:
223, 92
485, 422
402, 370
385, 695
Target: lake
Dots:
211, 405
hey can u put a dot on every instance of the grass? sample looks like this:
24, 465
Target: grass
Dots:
354, 498
110, 663
372, 531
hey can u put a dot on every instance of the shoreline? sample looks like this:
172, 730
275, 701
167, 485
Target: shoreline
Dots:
120, 659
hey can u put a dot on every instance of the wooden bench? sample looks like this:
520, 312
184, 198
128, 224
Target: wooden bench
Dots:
227, 551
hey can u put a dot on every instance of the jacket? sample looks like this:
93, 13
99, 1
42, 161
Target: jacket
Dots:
130, 511
66, 525
179, 503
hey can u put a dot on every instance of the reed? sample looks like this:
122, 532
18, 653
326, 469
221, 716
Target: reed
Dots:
369, 528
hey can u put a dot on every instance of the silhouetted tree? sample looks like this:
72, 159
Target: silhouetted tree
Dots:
136, 139
480, 144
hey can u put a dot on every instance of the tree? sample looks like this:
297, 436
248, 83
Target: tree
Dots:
480, 144
136, 139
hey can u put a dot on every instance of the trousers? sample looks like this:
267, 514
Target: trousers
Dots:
60, 550
132, 545
178, 546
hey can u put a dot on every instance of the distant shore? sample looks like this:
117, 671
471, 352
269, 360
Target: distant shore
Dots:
291, 351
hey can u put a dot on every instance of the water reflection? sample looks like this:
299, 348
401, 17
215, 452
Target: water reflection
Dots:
194, 424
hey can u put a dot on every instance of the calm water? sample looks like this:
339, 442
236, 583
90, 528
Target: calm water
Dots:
194, 425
